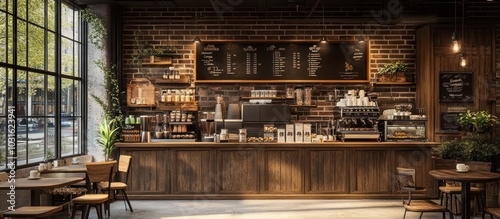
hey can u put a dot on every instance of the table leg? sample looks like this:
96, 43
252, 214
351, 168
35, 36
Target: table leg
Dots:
465, 200
35, 197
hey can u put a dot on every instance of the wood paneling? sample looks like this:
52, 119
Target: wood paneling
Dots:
238, 171
419, 159
194, 171
283, 171
434, 57
370, 171
326, 171
147, 172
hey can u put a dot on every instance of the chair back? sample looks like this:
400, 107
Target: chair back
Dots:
405, 177
124, 165
443, 164
4, 177
100, 171
479, 166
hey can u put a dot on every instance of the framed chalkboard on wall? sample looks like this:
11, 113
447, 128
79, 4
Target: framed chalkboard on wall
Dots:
449, 121
456, 87
282, 61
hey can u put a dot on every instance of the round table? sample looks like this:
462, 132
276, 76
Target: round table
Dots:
465, 178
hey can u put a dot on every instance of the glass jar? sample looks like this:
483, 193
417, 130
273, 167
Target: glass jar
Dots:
307, 95
242, 136
299, 96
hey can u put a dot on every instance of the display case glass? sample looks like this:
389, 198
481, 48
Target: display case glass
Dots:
405, 130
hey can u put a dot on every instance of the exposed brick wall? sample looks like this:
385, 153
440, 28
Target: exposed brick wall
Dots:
161, 26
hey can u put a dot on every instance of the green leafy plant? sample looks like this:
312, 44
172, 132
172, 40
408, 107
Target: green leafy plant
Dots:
108, 136
480, 121
474, 147
393, 68
98, 33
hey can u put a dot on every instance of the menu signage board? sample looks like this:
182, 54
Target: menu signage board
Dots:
456, 87
449, 121
294, 61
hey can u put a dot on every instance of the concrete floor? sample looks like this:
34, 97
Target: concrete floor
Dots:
275, 209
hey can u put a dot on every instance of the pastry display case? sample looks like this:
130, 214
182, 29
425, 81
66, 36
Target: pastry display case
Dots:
404, 130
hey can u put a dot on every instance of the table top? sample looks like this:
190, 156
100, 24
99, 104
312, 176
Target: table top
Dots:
72, 168
43, 183
469, 176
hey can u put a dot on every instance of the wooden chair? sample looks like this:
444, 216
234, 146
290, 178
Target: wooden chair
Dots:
97, 172
494, 212
123, 170
29, 211
406, 181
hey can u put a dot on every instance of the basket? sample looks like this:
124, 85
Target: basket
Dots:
141, 93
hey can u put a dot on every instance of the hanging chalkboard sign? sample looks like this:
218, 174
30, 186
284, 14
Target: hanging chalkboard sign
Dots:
449, 121
456, 87
284, 61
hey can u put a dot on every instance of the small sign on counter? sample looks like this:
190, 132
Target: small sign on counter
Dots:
281, 135
299, 132
307, 133
290, 133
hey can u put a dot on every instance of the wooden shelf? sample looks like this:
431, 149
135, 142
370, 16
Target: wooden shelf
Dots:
183, 80
266, 98
141, 105
395, 83
308, 106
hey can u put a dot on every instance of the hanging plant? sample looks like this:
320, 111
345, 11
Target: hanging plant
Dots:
97, 34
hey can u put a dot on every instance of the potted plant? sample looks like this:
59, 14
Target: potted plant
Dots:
109, 134
393, 72
479, 122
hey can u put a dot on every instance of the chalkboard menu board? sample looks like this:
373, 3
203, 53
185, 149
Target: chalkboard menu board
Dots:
449, 121
456, 87
294, 61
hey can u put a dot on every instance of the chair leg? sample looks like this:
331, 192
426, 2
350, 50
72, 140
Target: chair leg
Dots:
444, 214
404, 215
421, 214
441, 198
87, 212
98, 209
125, 197
73, 212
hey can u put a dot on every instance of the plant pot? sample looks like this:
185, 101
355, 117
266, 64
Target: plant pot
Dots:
396, 77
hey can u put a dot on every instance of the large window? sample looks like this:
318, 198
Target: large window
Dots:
40, 74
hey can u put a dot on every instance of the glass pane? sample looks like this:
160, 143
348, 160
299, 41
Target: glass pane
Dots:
67, 97
10, 40
36, 45
51, 133
36, 147
10, 84
10, 6
67, 21
21, 8
76, 64
67, 57
51, 95
3, 36
3, 5
22, 93
37, 92
3, 142
36, 12
51, 52
51, 15
77, 100
3, 92
21, 43
76, 25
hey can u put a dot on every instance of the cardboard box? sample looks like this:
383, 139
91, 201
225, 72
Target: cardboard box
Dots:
307, 133
281, 135
290, 133
299, 132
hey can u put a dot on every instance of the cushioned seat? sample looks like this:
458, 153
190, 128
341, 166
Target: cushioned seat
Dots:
114, 186
91, 199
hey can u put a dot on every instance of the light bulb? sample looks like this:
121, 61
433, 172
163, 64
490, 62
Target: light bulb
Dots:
323, 39
463, 61
455, 46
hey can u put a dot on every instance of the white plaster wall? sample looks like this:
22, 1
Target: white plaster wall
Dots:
95, 82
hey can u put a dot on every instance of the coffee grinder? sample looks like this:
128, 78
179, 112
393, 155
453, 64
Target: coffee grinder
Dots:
146, 127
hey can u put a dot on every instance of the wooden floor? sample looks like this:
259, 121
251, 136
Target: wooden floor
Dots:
275, 209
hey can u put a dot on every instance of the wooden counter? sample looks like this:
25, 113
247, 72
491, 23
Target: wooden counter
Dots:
176, 170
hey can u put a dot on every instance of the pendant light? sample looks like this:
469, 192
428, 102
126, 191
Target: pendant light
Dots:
361, 39
323, 38
463, 60
455, 45
196, 38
